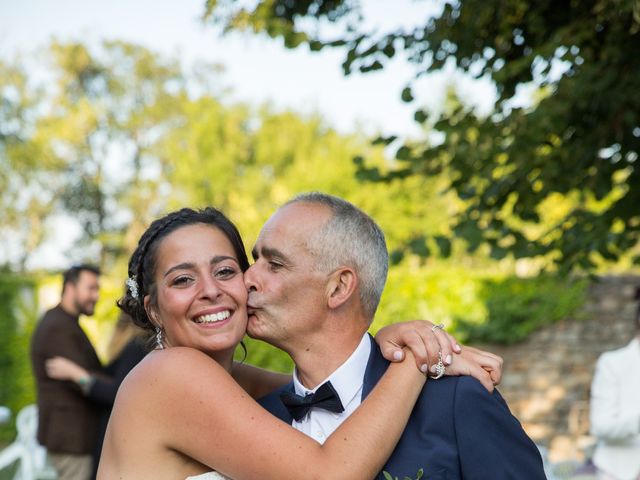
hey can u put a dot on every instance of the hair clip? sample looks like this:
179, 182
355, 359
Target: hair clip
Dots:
133, 287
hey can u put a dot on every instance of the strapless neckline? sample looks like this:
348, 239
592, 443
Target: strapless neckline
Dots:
209, 476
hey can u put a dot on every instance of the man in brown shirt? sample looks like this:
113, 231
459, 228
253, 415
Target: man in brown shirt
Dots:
67, 421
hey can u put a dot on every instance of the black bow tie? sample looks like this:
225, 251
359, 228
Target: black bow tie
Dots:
325, 397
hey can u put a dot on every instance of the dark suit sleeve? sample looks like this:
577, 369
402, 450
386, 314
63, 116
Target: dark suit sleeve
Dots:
491, 441
103, 390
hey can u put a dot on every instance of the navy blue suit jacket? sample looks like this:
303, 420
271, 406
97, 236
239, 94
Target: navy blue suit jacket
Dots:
457, 430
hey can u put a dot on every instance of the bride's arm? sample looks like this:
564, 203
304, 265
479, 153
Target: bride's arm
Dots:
204, 414
420, 336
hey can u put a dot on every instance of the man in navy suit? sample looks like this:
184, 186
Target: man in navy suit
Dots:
320, 268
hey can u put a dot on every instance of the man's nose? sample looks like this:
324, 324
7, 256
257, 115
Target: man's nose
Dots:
250, 280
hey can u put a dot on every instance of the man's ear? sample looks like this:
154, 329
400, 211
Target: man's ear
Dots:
341, 287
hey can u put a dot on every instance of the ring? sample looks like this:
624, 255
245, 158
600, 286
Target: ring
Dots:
440, 326
439, 368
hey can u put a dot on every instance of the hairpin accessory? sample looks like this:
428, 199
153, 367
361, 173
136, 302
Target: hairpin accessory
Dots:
133, 287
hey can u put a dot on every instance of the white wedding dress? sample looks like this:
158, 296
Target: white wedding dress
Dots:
209, 476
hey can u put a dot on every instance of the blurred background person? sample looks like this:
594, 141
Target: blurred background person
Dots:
615, 410
67, 420
126, 348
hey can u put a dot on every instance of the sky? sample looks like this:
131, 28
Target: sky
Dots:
257, 69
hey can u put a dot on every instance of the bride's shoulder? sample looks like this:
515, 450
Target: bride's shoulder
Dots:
175, 365
179, 355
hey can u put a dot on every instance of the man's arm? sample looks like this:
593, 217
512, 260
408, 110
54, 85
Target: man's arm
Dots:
491, 441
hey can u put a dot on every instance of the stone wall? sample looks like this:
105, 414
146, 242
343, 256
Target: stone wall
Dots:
547, 378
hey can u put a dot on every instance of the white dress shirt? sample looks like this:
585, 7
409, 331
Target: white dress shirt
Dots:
347, 380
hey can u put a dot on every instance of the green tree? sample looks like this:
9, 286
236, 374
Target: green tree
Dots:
250, 162
24, 172
83, 144
18, 313
112, 106
577, 141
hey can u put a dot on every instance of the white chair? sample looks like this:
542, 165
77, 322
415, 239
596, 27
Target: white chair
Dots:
26, 450
5, 415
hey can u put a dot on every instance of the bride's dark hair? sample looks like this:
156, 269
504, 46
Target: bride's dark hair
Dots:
143, 261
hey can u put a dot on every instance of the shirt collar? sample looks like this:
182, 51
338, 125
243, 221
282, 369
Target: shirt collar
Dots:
347, 378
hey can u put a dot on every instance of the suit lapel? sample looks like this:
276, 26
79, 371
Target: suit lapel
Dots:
274, 405
376, 366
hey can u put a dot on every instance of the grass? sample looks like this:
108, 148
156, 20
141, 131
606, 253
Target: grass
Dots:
8, 473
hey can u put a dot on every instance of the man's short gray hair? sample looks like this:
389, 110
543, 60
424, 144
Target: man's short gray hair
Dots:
353, 239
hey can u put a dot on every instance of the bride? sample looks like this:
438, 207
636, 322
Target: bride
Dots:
187, 411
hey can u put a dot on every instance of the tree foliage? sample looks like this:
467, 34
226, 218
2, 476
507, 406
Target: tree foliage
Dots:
118, 135
80, 144
576, 142
18, 312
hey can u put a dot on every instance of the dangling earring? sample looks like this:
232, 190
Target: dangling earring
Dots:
159, 339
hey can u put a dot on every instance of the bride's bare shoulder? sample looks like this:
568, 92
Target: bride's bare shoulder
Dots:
172, 367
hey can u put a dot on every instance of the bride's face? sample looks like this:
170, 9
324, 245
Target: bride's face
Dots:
201, 296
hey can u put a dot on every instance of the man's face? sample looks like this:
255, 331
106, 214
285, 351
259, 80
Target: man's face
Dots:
85, 292
287, 292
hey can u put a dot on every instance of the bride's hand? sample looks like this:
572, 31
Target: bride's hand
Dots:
426, 340
486, 367
423, 338
61, 368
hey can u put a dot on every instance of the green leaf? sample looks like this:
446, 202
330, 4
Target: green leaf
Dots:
444, 244
571, 143
420, 116
384, 140
406, 95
